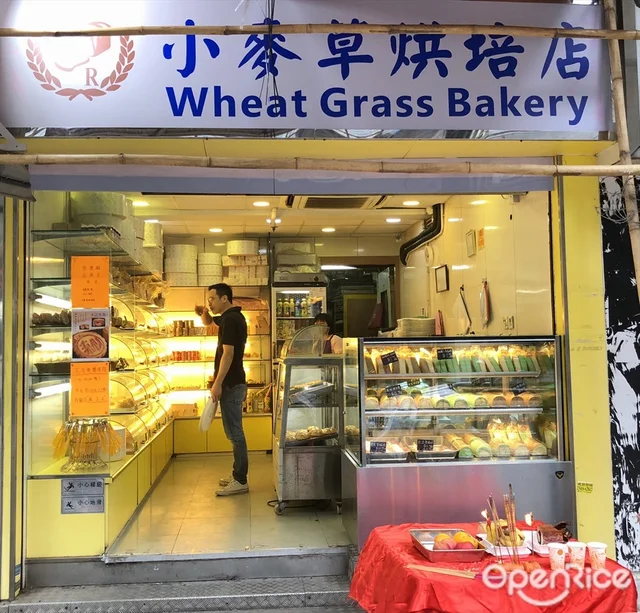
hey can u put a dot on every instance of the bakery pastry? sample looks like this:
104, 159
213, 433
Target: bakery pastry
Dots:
548, 534
479, 448
406, 402
424, 402
371, 403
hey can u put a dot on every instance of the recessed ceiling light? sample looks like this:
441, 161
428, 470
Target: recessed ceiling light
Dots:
393, 220
277, 220
215, 230
317, 245
328, 229
219, 244
140, 203
261, 203
476, 202
411, 203
152, 220
454, 219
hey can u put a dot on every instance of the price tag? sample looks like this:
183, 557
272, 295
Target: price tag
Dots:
445, 354
378, 447
393, 390
413, 382
89, 389
389, 358
518, 387
426, 444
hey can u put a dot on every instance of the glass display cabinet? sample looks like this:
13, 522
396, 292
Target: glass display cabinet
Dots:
437, 415
308, 420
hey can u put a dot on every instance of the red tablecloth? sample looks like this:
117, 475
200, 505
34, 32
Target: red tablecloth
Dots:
382, 584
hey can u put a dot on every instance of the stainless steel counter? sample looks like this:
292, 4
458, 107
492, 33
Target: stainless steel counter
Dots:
451, 492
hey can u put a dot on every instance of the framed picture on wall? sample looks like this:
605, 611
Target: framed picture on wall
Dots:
471, 243
442, 278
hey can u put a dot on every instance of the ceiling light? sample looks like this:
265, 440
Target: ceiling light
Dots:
152, 221
262, 251
454, 219
140, 203
39, 260
215, 230
261, 203
393, 220
462, 267
328, 229
219, 244
477, 202
298, 291
411, 203
319, 244
275, 220
491, 227
337, 267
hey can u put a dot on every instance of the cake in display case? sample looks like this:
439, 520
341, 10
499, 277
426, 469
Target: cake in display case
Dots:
482, 411
456, 401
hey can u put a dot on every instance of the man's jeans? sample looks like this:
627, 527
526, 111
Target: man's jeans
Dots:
231, 408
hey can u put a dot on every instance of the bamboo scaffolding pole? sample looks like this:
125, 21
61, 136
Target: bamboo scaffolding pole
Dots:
327, 165
321, 28
622, 133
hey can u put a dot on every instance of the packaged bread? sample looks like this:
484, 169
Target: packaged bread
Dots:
457, 443
424, 402
371, 403
518, 448
406, 402
426, 364
536, 448
492, 363
479, 448
442, 403
515, 401
497, 401
481, 402
412, 364
457, 401
534, 401
369, 365
402, 366
499, 449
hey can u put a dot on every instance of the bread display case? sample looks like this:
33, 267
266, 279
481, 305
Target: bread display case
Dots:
441, 415
308, 420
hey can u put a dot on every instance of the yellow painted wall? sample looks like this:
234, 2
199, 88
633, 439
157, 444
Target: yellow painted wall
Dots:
51, 534
582, 318
121, 500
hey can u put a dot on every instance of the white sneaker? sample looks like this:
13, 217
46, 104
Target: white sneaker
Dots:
224, 482
233, 488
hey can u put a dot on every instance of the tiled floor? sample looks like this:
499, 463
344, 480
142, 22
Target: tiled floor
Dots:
184, 516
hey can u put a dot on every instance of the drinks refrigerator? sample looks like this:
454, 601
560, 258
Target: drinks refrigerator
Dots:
294, 307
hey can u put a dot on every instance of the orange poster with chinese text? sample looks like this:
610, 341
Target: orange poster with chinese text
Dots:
89, 389
90, 282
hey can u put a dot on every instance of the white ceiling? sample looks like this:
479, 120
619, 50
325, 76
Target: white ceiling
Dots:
236, 215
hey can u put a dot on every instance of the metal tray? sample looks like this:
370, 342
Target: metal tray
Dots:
309, 441
395, 458
439, 455
423, 539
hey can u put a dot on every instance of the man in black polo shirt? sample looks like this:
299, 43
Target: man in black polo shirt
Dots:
229, 382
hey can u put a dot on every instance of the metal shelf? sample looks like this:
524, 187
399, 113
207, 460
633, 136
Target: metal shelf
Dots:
447, 412
309, 317
454, 375
93, 242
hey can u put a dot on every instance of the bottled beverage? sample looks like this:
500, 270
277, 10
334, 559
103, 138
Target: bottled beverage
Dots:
279, 308
298, 307
286, 312
303, 308
292, 307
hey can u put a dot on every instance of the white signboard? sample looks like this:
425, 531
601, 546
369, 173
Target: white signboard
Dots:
321, 81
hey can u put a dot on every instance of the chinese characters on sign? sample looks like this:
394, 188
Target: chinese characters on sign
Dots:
90, 282
338, 80
89, 389
82, 495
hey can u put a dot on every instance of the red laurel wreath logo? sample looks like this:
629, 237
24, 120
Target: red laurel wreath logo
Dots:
111, 83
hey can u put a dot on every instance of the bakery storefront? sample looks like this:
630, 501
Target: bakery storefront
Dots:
470, 314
